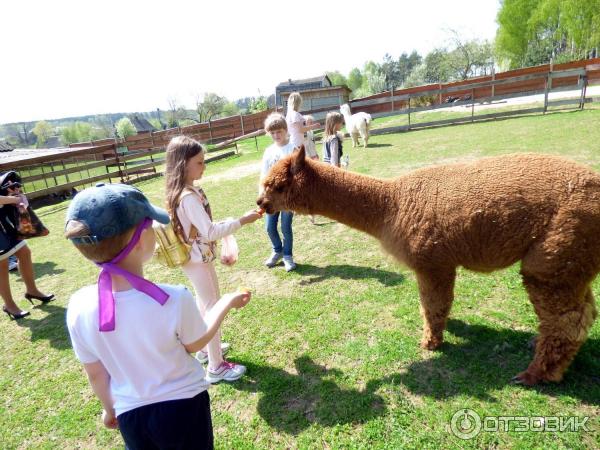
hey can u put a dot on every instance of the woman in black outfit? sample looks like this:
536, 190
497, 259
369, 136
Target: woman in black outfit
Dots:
10, 199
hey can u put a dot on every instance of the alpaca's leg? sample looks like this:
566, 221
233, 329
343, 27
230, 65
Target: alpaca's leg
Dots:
354, 139
436, 290
566, 315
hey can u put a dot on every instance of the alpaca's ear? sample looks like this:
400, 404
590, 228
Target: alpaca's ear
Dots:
298, 160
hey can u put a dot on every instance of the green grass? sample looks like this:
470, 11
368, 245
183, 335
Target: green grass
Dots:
332, 349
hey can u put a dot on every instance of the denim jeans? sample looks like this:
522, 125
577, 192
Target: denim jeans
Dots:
286, 230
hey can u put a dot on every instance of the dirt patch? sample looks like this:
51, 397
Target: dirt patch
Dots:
234, 173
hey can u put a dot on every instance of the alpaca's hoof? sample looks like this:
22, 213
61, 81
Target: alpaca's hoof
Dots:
431, 343
526, 378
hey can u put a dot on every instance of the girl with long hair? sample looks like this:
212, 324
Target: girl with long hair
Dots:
191, 216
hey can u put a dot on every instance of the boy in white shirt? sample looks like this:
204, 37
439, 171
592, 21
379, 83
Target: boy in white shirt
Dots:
276, 126
134, 337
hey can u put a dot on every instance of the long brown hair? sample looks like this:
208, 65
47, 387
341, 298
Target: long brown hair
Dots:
331, 120
179, 151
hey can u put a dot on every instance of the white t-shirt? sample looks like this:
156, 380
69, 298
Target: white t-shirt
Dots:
272, 154
144, 355
295, 122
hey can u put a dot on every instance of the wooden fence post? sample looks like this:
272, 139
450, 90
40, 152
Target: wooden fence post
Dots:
209, 132
583, 80
546, 88
242, 123
392, 97
408, 113
472, 105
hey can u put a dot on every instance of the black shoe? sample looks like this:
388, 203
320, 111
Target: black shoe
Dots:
44, 300
14, 316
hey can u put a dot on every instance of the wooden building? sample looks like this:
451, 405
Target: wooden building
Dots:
318, 95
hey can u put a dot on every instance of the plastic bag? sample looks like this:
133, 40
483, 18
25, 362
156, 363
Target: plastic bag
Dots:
229, 250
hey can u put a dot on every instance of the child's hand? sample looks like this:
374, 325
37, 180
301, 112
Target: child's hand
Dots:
250, 216
109, 419
238, 299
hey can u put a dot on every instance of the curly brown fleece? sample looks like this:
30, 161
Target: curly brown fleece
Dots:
541, 210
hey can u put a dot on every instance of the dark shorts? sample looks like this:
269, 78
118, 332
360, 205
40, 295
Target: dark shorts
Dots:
176, 424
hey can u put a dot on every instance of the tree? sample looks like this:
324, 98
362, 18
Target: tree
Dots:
125, 128
230, 109
257, 104
406, 64
436, 68
209, 107
43, 130
533, 31
391, 72
355, 79
468, 58
174, 113
76, 132
337, 79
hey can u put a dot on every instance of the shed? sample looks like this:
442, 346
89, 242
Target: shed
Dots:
141, 125
320, 100
6, 147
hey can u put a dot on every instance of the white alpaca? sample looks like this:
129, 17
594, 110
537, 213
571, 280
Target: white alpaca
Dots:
356, 124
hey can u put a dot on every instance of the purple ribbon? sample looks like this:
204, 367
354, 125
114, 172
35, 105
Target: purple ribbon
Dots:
106, 309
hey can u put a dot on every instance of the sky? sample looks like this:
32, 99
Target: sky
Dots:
63, 58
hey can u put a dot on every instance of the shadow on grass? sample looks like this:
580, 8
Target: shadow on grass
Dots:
373, 145
52, 328
486, 361
347, 272
46, 268
42, 269
291, 403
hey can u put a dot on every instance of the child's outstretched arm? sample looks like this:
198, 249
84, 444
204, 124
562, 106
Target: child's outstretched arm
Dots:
216, 315
100, 381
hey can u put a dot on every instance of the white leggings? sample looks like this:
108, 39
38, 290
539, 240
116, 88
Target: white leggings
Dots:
204, 279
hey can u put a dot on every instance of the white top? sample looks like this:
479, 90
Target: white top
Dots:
295, 122
272, 154
144, 355
192, 211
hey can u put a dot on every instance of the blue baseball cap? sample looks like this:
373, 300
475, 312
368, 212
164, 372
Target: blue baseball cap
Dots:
111, 209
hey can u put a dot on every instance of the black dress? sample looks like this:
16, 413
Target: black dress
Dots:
8, 234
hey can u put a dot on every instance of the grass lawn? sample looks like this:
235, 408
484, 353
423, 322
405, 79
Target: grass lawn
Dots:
332, 349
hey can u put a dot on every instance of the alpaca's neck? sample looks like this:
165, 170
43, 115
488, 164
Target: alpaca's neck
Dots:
355, 200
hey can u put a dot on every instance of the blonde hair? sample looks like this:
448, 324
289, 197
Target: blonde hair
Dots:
309, 119
332, 119
103, 251
179, 151
294, 101
275, 121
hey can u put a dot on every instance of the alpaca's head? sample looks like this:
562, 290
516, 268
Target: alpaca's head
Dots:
284, 187
345, 110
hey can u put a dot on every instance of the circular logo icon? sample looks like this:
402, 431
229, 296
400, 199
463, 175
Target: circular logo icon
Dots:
465, 424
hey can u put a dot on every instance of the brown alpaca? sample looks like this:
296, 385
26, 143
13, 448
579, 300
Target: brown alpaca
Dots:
541, 210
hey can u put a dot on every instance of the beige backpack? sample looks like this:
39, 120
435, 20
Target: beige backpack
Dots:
172, 250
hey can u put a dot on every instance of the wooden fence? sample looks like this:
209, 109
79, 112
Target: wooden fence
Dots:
530, 81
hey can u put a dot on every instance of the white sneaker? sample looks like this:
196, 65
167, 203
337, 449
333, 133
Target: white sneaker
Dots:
202, 356
227, 371
289, 263
272, 260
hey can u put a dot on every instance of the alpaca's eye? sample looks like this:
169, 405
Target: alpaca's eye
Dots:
279, 189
